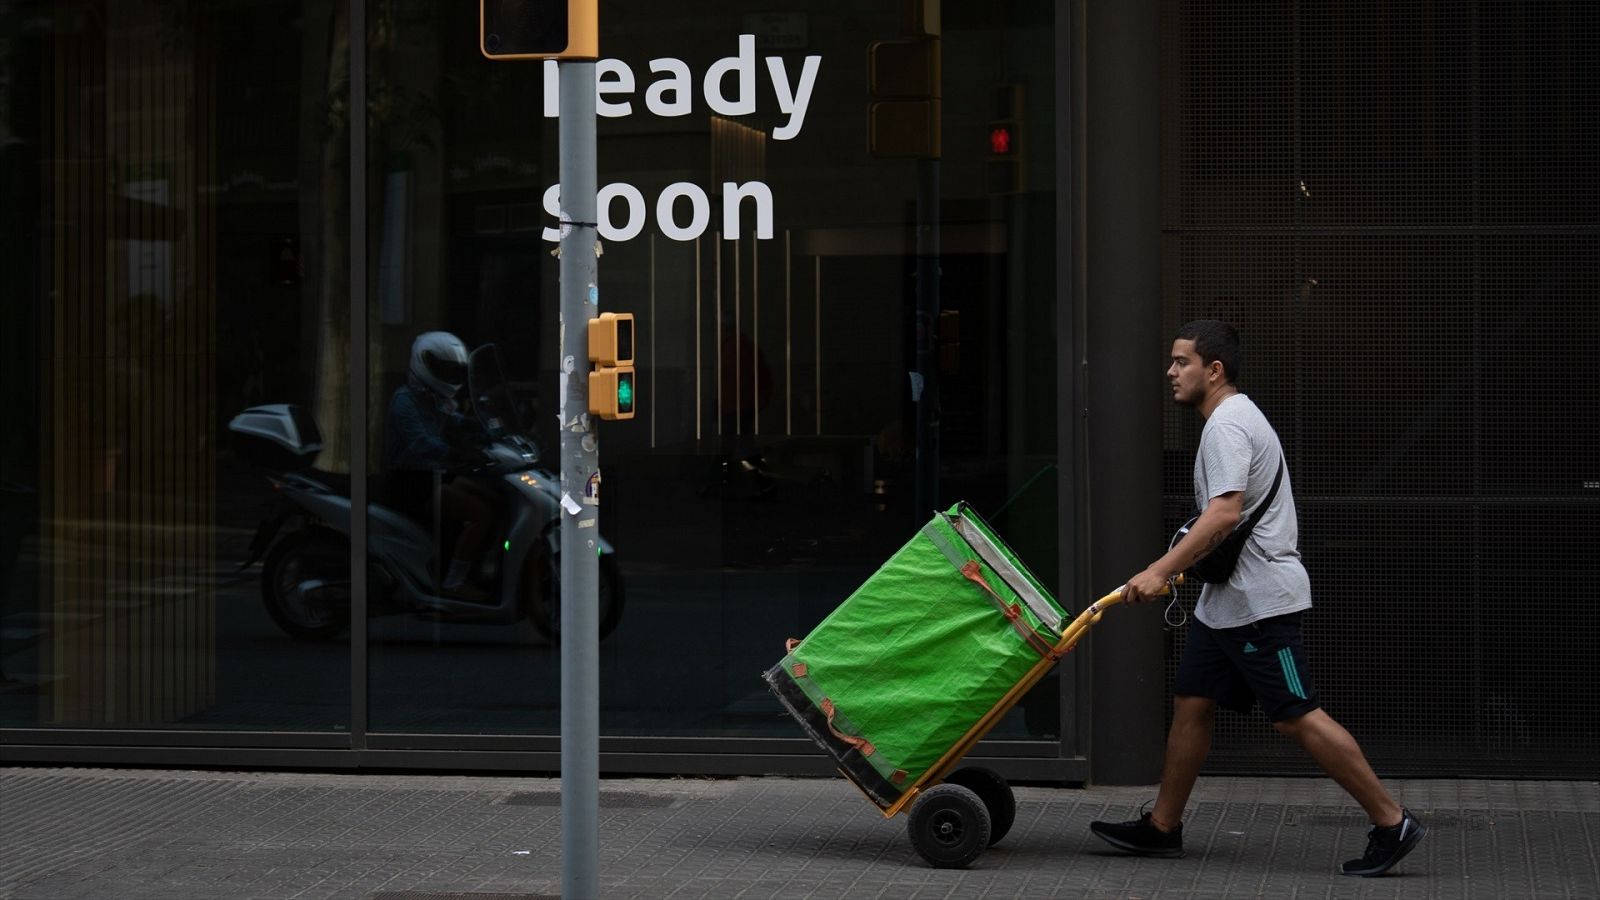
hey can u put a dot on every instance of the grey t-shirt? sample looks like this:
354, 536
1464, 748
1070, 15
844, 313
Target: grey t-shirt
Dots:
1239, 451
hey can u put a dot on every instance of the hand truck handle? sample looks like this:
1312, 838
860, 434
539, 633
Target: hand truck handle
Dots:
1089, 616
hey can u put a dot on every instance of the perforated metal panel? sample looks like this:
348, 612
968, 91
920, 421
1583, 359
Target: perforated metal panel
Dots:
1398, 205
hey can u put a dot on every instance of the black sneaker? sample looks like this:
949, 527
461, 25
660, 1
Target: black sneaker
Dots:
1387, 846
1141, 837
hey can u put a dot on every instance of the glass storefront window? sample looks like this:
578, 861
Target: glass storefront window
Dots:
771, 261
175, 224
175, 551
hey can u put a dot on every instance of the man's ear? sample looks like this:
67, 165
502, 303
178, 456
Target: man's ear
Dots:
1215, 368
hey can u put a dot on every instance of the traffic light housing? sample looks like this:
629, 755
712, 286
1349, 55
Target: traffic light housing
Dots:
1003, 163
539, 29
904, 77
611, 383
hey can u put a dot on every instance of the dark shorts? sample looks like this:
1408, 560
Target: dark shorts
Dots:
1263, 662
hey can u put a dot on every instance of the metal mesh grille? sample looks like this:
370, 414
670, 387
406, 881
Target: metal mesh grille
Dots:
1397, 204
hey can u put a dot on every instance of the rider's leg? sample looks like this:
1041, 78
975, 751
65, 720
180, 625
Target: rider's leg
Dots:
468, 507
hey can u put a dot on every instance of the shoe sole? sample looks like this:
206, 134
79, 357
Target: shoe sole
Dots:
1405, 848
1126, 847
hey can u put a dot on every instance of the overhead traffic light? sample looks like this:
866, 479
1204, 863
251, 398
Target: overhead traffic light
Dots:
611, 382
539, 29
904, 77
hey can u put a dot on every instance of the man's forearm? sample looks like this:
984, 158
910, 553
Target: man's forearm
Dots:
1216, 522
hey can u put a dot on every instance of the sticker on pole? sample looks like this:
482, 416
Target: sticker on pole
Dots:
591, 490
570, 505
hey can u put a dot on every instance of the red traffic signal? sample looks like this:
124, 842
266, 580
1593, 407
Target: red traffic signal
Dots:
1001, 141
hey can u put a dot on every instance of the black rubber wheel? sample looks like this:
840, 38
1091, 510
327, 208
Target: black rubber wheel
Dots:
996, 796
949, 826
544, 610
305, 584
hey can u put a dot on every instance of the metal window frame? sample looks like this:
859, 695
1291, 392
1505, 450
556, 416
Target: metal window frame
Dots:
358, 376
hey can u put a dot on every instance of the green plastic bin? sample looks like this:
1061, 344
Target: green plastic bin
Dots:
916, 665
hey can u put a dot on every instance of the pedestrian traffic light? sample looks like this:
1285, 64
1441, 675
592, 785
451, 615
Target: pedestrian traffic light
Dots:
904, 77
539, 29
1002, 139
1003, 163
611, 382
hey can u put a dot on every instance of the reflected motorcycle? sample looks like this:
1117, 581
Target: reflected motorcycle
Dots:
303, 542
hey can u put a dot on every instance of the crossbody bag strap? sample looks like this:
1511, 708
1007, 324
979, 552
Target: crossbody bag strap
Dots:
1272, 493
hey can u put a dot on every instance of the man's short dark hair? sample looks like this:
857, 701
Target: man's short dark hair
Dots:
1214, 340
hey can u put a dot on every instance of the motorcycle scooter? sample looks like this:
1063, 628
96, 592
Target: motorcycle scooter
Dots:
304, 540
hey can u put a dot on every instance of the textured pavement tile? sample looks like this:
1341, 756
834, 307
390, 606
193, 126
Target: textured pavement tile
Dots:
138, 834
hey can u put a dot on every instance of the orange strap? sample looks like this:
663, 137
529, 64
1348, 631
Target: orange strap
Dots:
799, 668
1012, 612
861, 744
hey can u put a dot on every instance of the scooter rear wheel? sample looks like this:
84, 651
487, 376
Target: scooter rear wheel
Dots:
544, 610
305, 584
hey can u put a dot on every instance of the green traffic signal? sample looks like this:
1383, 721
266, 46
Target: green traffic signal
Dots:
625, 392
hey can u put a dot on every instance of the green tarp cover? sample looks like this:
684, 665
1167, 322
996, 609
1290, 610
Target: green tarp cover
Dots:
918, 654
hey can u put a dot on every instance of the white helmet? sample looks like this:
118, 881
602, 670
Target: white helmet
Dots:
439, 361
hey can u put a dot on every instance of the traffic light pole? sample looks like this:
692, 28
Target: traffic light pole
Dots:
580, 467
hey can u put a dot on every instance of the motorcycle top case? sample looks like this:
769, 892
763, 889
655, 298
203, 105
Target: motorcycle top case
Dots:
281, 437
907, 665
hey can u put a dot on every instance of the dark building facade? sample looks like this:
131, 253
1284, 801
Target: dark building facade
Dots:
204, 213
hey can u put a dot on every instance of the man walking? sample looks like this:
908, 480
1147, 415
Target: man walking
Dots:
1244, 645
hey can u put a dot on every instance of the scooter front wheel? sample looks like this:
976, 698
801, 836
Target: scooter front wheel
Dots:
544, 610
305, 584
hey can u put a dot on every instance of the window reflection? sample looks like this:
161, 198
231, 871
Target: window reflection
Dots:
177, 511
173, 179
770, 263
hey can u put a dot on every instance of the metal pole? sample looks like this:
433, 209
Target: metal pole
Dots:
580, 469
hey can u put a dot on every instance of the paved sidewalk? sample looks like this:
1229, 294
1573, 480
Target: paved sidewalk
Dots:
67, 833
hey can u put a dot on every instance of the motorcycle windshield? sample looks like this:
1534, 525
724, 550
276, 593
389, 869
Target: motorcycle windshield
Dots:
492, 399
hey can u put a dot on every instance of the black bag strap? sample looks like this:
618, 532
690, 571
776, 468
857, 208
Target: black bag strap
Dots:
1241, 533
1272, 493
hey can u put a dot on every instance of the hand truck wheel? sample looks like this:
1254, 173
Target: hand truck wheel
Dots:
996, 796
949, 826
